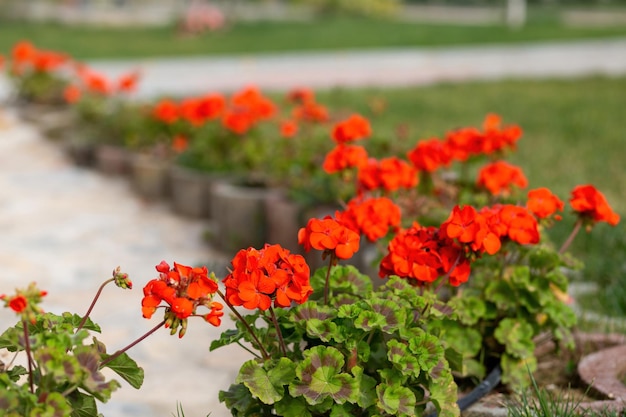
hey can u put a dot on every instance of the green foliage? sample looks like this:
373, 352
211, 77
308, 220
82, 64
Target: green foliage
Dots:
370, 356
64, 377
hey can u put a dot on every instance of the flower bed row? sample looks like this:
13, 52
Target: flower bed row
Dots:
470, 280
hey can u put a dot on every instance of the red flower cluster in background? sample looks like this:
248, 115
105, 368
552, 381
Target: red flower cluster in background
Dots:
353, 128
592, 205
330, 236
262, 276
25, 57
183, 289
372, 217
543, 204
461, 144
422, 255
499, 177
388, 174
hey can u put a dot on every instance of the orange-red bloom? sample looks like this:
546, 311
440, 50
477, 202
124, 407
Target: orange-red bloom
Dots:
471, 228
499, 177
288, 128
422, 255
330, 236
128, 83
430, 155
166, 111
372, 217
390, 174
591, 204
72, 94
183, 289
353, 128
543, 203
262, 276
344, 157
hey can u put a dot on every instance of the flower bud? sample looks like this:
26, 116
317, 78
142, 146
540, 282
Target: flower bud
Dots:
121, 279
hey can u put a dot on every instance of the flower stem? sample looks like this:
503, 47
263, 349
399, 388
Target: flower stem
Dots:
93, 303
119, 352
28, 356
246, 325
571, 236
281, 341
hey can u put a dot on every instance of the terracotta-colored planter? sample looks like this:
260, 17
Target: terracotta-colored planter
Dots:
150, 177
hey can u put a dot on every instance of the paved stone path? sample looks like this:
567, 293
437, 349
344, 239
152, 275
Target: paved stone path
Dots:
67, 228
392, 67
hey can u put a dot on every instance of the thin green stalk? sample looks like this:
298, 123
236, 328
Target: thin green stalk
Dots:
119, 352
93, 303
246, 325
281, 341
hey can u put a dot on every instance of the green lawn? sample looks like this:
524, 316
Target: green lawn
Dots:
324, 34
573, 134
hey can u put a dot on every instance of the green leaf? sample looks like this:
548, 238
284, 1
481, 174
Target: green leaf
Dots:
515, 371
399, 355
367, 388
516, 335
127, 368
443, 394
320, 377
454, 359
94, 381
381, 314
74, 320
226, 338
16, 372
427, 350
396, 399
237, 399
267, 385
292, 407
83, 405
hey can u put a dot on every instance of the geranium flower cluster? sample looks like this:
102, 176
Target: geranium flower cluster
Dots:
330, 236
387, 174
238, 114
269, 275
26, 57
461, 144
183, 289
371, 217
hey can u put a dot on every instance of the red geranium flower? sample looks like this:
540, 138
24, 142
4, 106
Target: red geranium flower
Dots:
372, 217
183, 289
353, 128
262, 276
591, 204
330, 236
343, 157
499, 177
543, 203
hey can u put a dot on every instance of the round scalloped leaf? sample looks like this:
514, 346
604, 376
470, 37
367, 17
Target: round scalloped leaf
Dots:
268, 386
320, 377
383, 315
402, 359
396, 400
